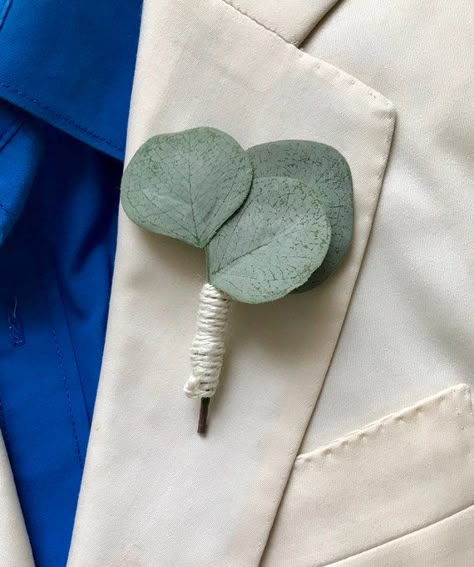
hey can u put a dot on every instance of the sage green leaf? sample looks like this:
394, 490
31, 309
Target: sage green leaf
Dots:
186, 185
325, 170
274, 242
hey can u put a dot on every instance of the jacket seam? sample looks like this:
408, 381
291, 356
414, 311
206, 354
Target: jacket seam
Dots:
399, 537
258, 22
417, 410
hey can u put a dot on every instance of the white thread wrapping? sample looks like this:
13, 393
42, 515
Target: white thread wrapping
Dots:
208, 348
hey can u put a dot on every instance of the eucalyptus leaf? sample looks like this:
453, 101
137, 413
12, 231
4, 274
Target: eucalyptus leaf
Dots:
274, 242
326, 171
186, 185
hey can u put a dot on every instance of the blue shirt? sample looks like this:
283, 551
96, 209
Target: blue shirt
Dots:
66, 71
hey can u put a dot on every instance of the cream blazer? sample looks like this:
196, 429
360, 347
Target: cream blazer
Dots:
290, 474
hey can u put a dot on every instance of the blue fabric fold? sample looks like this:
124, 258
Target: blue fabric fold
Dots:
71, 64
19, 156
66, 71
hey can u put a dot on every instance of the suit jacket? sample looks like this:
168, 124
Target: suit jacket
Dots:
281, 480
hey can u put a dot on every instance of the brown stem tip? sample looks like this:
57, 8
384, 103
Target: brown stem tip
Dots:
202, 425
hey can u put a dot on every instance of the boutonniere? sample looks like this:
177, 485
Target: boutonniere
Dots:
273, 220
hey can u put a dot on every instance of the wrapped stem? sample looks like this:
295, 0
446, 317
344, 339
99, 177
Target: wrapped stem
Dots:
208, 348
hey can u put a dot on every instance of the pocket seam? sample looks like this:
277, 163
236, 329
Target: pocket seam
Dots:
370, 430
401, 536
452, 406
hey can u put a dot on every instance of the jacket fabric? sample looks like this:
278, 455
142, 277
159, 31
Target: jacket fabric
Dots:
343, 430
279, 480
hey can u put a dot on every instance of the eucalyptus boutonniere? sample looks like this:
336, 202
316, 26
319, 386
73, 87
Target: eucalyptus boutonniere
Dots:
273, 220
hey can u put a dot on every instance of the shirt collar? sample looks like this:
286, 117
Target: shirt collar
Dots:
71, 64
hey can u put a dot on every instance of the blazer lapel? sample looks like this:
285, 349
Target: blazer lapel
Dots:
154, 492
292, 20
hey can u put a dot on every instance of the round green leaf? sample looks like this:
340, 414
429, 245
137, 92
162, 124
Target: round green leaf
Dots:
274, 242
186, 185
325, 170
